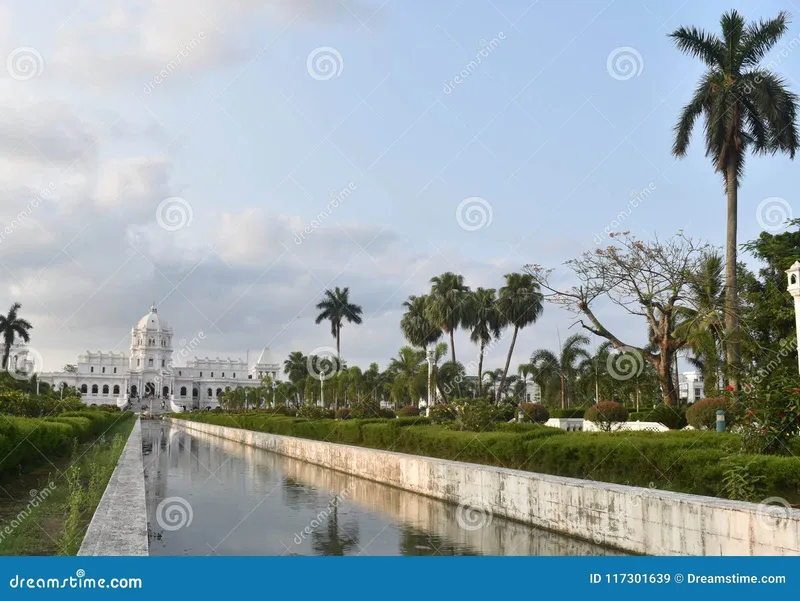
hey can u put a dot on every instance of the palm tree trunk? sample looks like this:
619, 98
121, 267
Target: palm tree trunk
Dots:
563, 406
452, 347
6, 352
731, 304
338, 352
480, 369
508, 362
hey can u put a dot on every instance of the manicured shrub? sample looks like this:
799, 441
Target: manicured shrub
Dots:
505, 411
408, 411
606, 414
441, 413
703, 414
534, 412
365, 409
314, 412
387, 413
475, 415
343, 413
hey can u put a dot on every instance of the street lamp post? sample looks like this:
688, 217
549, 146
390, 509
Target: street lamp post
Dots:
322, 387
429, 357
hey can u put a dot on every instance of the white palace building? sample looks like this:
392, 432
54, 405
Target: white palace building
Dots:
150, 373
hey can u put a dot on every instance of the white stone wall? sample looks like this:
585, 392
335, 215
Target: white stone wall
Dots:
638, 520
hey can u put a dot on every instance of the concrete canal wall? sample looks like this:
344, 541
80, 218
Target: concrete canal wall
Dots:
119, 525
637, 520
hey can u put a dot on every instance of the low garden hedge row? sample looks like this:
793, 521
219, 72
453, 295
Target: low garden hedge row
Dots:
683, 461
27, 441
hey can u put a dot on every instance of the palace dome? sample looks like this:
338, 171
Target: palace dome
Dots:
152, 321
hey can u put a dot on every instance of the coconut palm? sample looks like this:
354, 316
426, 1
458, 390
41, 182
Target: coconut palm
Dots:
415, 325
446, 304
565, 365
11, 327
594, 369
337, 308
746, 108
520, 304
296, 366
484, 322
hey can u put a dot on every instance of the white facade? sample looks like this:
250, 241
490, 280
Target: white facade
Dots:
691, 386
150, 373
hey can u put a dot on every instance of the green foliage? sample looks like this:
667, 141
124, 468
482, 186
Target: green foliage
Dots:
441, 413
567, 413
475, 415
365, 409
534, 412
315, 412
408, 411
673, 418
772, 418
343, 413
606, 414
16, 402
703, 414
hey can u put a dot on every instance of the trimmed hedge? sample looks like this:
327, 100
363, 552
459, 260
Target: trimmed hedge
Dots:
683, 461
703, 413
26, 441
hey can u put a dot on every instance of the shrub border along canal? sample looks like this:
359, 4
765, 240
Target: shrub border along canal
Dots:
699, 462
639, 520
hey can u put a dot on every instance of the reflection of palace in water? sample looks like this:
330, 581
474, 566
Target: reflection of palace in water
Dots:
427, 526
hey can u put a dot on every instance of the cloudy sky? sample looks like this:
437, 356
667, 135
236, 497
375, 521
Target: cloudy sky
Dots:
180, 151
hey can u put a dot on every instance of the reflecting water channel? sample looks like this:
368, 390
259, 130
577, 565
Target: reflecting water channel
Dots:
208, 495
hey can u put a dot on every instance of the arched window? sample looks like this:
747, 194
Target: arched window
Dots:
94, 389
195, 393
104, 370
219, 391
163, 362
212, 374
234, 374
134, 391
91, 369
116, 389
183, 390
150, 362
201, 374
165, 391
223, 374
84, 390
105, 389
210, 393
138, 362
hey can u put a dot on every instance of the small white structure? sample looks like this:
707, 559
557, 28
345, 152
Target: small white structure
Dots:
578, 424
793, 275
690, 386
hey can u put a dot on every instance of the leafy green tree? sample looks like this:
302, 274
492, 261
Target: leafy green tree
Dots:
337, 308
747, 108
415, 324
13, 326
520, 304
564, 365
446, 304
296, 366
484, 322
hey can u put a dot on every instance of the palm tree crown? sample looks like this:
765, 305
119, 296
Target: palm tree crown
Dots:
337, 308
484, 322
564, 366
446, 304
746, 108
13, 326
415, 325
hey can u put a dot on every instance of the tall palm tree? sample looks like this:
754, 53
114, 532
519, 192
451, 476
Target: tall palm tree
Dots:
337, 308
446, 304
746, 108
418, 329
565, 365
520, 304
484, 322
13, 326
594, 368
296, 366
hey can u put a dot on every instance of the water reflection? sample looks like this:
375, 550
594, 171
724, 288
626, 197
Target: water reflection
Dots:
245, 501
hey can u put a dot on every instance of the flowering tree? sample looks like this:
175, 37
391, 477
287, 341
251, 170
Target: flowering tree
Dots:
647, 279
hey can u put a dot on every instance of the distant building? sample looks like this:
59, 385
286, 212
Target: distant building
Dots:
691, 386
149, 373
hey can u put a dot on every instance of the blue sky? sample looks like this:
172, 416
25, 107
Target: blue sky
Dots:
254, 144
